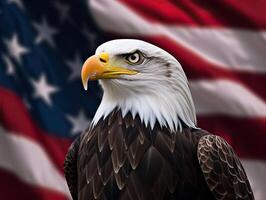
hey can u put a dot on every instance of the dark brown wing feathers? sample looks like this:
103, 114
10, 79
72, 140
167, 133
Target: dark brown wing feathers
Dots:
222, 169
70, 168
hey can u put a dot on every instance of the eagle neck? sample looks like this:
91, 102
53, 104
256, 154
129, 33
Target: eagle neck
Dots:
169, 108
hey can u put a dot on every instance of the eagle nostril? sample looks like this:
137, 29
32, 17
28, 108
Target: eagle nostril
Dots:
103, 60
104, 57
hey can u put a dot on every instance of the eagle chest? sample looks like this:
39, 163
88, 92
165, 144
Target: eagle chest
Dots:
122, 159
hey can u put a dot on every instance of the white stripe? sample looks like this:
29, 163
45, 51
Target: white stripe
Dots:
226, 97
29, 162
115, 17
226, 48
256, 173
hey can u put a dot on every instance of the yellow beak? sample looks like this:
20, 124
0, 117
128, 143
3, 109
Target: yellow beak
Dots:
98, 67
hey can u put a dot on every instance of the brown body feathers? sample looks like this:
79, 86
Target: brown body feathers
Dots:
120, 158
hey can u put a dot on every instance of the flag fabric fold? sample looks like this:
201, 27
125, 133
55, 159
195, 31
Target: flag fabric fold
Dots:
43, 107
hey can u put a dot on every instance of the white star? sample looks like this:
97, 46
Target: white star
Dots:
43, 90
15, 49
79, 123
10, 70
75, 67
63, 10
18, 2
45, 33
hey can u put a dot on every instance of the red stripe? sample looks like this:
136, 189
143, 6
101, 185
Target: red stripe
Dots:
229, 13
11, 188
247, 136
15, 117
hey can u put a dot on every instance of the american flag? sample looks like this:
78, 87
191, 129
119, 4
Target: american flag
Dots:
220, 44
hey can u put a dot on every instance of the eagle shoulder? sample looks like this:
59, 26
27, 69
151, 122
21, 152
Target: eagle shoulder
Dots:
222, 169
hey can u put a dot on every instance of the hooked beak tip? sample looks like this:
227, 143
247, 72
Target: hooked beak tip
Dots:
85, 84
85, 87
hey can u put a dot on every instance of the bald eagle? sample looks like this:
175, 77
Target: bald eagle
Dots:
143, 142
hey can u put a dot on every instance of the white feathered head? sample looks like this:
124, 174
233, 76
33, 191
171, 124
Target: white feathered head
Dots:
142, 79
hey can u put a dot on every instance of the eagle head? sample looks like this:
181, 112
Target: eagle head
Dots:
142, 79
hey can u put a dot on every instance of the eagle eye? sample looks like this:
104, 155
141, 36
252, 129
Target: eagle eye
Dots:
134, 58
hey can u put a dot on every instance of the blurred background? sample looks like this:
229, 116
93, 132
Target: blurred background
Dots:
43, 107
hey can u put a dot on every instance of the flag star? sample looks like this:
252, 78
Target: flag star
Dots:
79, 123
10, 70
18, 3
45, 32
75, 67
63, 10
15, 49
43, 90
